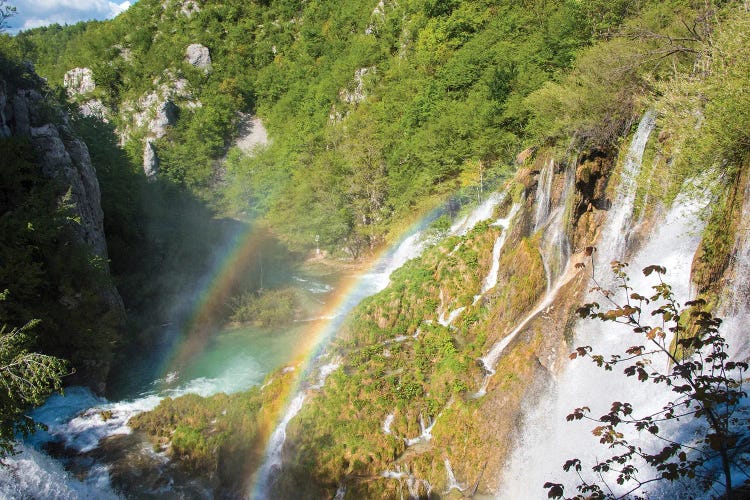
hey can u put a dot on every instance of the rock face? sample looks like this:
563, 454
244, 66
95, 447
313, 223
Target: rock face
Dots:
150, 160
64, 157
155, 112
79, 81
252, 134
199, 56
357, 94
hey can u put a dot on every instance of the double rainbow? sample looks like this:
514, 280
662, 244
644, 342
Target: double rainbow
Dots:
241, 253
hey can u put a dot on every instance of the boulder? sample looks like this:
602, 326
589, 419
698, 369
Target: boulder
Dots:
198, 56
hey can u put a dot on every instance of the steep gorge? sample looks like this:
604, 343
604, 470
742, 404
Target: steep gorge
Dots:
447, 376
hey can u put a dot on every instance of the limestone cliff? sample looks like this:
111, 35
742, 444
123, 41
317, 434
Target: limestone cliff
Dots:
27, 113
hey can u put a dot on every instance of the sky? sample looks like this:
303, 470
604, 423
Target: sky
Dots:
35, 13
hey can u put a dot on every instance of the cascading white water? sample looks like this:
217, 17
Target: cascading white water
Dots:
387, 423
490, 280
32, 474
275, 446
413, 483
480, 213
555, 251
619, 219
544, 194
548, 440
555, 246
447, 320
425, 432
453, 484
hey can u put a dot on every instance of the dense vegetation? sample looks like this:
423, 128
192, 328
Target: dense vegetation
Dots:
670, 55
376, 115
373, 112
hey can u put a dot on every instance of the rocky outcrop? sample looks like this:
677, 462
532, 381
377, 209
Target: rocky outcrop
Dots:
357, 94
199, 56
79, 84
252, 134
79, 81
352, 95
63, 157
154, 113
166, 116
150, 160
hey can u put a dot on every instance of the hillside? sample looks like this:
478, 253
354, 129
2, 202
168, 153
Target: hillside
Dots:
384, 108
587, 132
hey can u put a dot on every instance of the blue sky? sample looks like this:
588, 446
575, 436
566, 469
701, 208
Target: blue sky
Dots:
34, 13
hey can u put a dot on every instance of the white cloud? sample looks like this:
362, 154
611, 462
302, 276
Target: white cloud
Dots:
35, 13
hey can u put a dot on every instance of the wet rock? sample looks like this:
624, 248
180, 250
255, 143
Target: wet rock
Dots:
524, 155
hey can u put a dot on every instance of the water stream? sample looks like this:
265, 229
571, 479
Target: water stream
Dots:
546, 432
369, 284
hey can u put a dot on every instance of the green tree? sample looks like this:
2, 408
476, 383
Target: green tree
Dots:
707, 396
26, 379
6, 12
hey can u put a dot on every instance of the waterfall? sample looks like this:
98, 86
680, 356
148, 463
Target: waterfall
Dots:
480, 213
425, 432
453, 484
555, 246
544, 194
275, 446
491, 358
413, 483
387, 423
555, 252
546, 432
447, 320
619, 220
490, 280
734, 307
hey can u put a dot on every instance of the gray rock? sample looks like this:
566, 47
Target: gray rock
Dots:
94, 108
199, 56
66, 158
21, 113
4, 128
166, 116
79, 81
150, 160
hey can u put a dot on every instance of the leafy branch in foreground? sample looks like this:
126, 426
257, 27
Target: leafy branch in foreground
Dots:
683, 351
26, 379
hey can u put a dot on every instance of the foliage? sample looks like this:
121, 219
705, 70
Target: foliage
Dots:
265, 307
6, 12
352, 156
26, 379
707, 395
